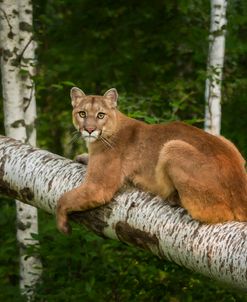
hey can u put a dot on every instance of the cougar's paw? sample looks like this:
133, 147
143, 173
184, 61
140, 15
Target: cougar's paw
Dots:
82, 158
174, 199
62, 218
64, 227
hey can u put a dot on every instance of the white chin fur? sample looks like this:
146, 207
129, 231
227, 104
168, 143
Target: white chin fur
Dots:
90, 138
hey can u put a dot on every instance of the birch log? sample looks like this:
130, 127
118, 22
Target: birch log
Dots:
15, 51
215, 65
39, 178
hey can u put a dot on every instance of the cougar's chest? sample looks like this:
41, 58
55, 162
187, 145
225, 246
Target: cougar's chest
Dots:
139, 160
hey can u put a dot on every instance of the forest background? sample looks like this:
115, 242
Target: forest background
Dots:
155, 54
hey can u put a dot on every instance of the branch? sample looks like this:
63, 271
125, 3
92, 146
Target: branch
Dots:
39, 178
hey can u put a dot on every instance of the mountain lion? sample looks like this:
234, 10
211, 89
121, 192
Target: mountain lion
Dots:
180, 163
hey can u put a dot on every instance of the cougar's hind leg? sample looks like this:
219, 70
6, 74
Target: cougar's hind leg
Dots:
208, 211
165, 187
195, 179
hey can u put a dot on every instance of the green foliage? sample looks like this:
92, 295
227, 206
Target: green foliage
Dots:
155, 55
234, 122
9, 275
147, 52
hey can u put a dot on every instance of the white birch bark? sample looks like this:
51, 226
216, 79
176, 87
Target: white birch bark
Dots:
15, 54
13, 106
28, 62
40, 178
215, 66
27, 216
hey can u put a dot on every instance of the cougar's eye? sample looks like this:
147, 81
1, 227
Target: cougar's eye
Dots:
100, 115
82, 114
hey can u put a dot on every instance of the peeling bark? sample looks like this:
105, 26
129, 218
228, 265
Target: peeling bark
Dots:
40, 178
215, 65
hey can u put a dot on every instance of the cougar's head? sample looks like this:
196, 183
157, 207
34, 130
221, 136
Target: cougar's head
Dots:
94, 115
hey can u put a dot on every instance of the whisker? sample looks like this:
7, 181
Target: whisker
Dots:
106, 142
75, 136
111, 139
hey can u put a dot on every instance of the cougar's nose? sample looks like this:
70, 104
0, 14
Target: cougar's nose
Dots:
89, 129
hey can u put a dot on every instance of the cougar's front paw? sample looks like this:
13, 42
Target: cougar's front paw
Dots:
82, 158
174, 199
63, 227
62, 218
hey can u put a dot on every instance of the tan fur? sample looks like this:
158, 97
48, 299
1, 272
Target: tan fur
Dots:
181, 163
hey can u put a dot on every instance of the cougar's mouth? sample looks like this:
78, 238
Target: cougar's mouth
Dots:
90, 137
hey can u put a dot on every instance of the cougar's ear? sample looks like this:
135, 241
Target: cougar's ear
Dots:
112, 96
76, 95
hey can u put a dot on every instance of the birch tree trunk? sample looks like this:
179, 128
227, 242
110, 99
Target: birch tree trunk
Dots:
39, 178
13, 106
215, 66
20, 113
30, 267
27, 65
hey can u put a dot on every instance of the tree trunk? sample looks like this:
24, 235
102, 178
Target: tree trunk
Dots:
27, 216
20, 113
28, 62
13, 106
39, 178
215, 66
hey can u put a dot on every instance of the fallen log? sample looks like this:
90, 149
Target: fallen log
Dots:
39, 178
